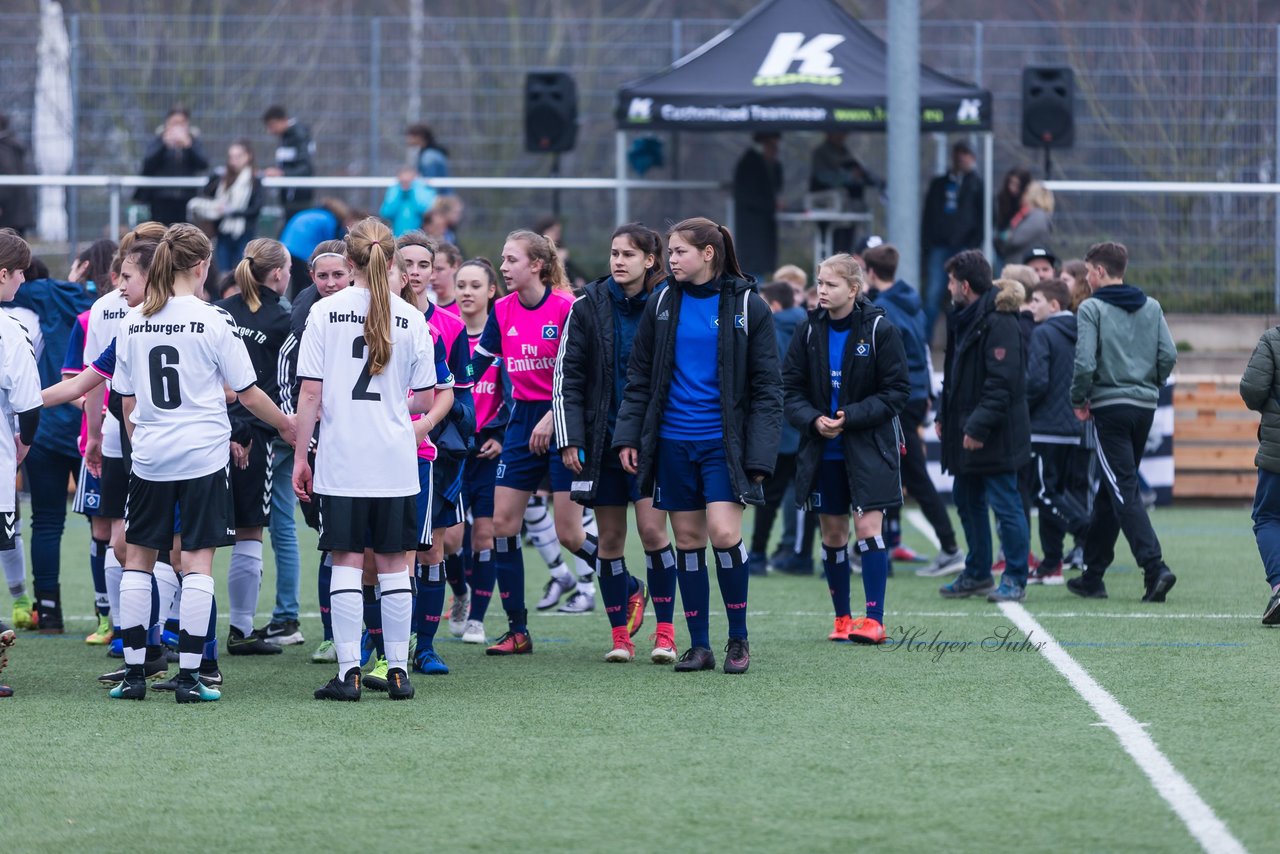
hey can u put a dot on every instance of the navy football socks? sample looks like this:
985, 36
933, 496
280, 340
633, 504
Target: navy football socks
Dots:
615, 587
875, 575
835, 560
660, 568
695, 594
731, 573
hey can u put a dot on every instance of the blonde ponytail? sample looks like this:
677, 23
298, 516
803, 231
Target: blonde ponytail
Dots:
371, 247
261, 257
182, 248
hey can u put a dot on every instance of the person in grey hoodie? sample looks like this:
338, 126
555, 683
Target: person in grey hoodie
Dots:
1124, 354
1260, 390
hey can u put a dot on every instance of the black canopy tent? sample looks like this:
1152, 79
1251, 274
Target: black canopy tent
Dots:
792, 65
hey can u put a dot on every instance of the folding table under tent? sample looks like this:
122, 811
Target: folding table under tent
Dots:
792, 65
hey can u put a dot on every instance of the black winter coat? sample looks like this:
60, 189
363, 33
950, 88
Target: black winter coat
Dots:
16, 208
984, 390
873, 390
583, 385
962, 229
750, 385
1050, 363
757, 181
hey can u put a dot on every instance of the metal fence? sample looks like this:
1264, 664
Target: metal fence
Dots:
1156, 101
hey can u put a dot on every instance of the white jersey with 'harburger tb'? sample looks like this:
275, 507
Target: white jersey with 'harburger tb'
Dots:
366, 447
19, 392
104, 319
175, 364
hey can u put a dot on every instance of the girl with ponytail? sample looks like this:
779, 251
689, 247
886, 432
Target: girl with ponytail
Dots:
524, 331
700, 422
363, 348
175, 354
590, 375
262, 323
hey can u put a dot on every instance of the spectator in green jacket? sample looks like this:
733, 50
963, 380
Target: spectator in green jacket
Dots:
1260, 389
1124, 355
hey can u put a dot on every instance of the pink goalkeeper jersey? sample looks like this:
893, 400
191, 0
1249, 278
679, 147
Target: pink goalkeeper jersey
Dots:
528, 341
488, 391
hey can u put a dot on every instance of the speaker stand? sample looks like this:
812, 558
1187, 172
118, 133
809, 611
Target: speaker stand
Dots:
555, 192
1048, 163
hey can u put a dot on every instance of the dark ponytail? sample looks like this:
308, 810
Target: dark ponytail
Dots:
700, 232
649, 242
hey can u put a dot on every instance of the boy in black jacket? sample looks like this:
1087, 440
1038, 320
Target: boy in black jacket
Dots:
983, 425
1055, 431
844, 383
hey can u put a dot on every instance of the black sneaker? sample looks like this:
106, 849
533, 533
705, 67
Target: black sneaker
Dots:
191, 689
132, 686
49, 613
1158, 584
398, 685
286, 633
737, 655
153, 668
240, 644
343, 690
210, 674
1271, 616
965, 586
696, 658
1087, 586
212, 678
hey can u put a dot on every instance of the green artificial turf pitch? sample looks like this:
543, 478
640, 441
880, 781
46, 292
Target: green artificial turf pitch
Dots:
821, 747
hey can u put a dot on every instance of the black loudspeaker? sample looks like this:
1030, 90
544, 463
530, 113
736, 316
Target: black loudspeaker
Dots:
550, 112
1048, 107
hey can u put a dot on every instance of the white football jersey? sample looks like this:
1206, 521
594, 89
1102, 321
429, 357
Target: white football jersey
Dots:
19, 392
366, 447
104, 319
175, 364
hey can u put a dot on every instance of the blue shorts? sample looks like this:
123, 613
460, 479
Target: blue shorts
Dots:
88, 497
433, 510
616, 488
830, 496
519, 467
478, 478
691, 475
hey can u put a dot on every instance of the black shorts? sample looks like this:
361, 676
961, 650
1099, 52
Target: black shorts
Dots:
8, 530
205, 502
251, 487
114, 486
387, 525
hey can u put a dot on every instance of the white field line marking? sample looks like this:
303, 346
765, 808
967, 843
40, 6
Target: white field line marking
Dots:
1182, 797
1065, 615
921, 524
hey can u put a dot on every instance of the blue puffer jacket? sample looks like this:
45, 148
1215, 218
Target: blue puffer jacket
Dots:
904, 310
784, 326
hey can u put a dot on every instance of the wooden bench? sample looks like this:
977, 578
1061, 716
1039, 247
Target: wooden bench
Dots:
1214, 439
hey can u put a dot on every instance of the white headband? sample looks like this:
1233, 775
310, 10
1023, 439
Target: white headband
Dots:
327, 255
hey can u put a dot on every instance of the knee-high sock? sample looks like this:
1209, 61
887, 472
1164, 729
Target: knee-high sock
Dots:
482, 581
154, 626
244, 580
169, 587
211, 634
660, 569
695, 594
429, 605
345, 598
97, 568
112, 570
135, 614
14, 562
585, 558
324, 579
373, 620
508, 565
731, 573
193, 621
875, 575
397, 610
614, 584
454, 573
835, 560
542, 532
